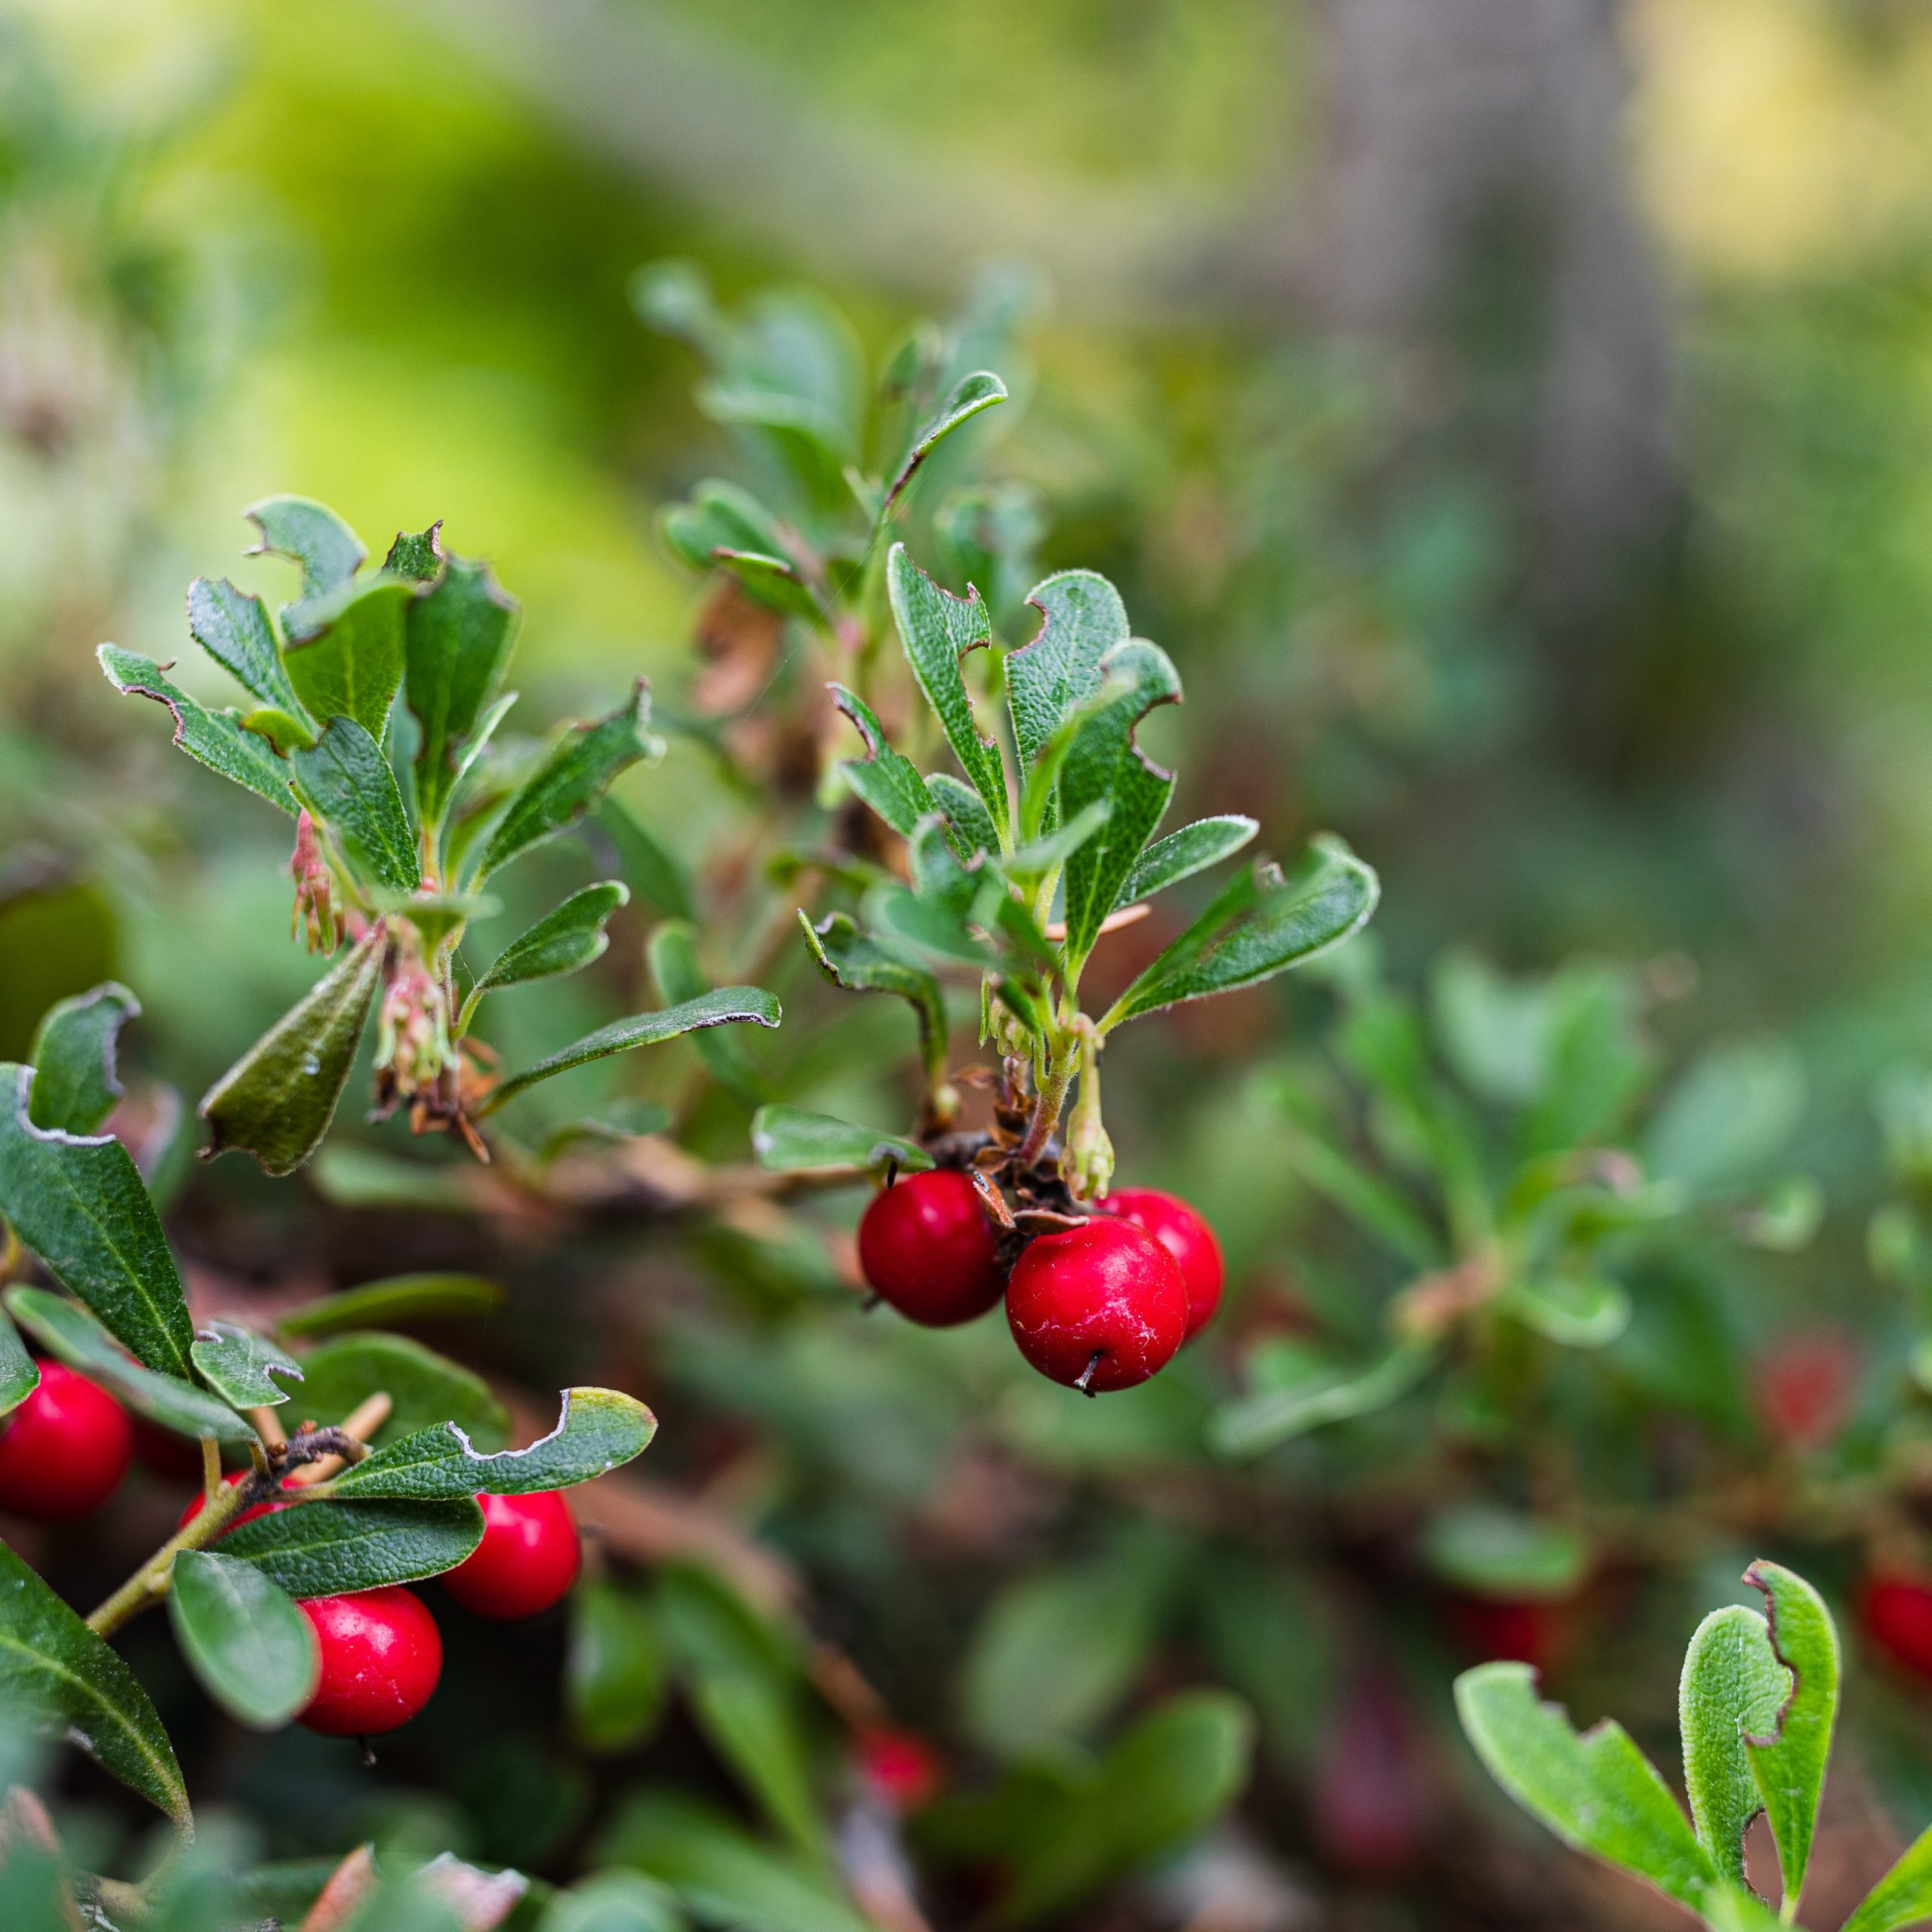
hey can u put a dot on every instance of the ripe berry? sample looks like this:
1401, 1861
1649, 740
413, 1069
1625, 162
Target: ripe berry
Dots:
1099, 1306
528, 1558
1186, 1237
178, 1457
64, 1449
1491, 1629
382, 1654
1805, 1387
926, 1246
1896, 1610
900, 1769
248, 1515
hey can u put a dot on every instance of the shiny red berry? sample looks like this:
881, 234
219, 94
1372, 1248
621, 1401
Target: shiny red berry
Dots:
1187, 1237
901, 1770
381, 1654
926, 1246
1896, 1610
527, 1560
248, 1515
1100, 1306
65, 1449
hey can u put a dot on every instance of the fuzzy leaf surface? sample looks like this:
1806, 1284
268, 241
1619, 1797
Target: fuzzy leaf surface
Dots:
239, 1366
251, 1650
78, 1200
1182, 854
1597, 1792
1788, 1757
66, 1331
233, 628
1081, 619
311, 534
20, 1374
971, 394
598, 1430
570, 780
1260, 924
965, 811
789, 1140
458, 639
344, 653
346, 782
1732, 1687
564, 940
680, 977
58, 1674
853, 959
332, 1549
212, 738
887, 780
727, 1006
937, 629
75, 1084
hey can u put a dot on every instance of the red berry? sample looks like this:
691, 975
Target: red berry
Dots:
1491, 1629
382, 1654
926, 1246
64, 1449
1100, 1306
1896, 1610
528, 1558
248, 1515
900, 1768
166, 1454
1186, 1237
1805, 1386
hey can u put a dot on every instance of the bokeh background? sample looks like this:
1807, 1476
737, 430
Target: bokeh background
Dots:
1512, 416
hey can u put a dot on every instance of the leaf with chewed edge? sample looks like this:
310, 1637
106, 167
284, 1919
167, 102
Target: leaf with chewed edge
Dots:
1788, 1760
215, 739
75, 1082
239, 1366
886, 780
233, 628
1732, 1687
598, 1430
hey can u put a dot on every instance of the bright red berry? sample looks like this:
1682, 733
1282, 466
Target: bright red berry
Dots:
64, 1449
528, 1559
248, 1515
1099, 1306
382, 1654
1187, 1237
1896, 1610
900, 1768
926, 1246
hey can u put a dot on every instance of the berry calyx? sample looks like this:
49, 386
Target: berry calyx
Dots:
926, 1246
1187, 1237
527, 1560
1896, 1609
64, 1449
248, 1515
381, 1655
1098, 1307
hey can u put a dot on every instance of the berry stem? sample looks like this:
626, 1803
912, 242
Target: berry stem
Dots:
211, 1468
149, 1583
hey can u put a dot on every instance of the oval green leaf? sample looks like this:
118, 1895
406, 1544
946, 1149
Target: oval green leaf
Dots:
253, 1651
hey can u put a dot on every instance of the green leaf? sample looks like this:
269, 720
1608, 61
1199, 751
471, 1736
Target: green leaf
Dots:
1579, 1311
78, 1202
726, 1006
277, 1100
346, 782
19, 1376
1182, 854
1316, 1392
425, 1388
613, 1902
311, 535
1382, 1211
395, 1298
1081, 619
724, 527
1903, 1896
284, 732
970, 394
239, 1366
938, 629
416, 554
886, 781
570, 780
789, 1140
1732, 1686
233, 628
1735, 1110
1033, 861
344, 653
66, 1330
676, 972
1498, 1553
1260, 924
751, 1721
332, 1549
212, 738
598, 1430
57, 1674
458, 635
563, 941
1788, 1757
965, 814
849, 958
75, 1081
1597, 1792
724, 1876
253, 1651
613, 1671
651, 870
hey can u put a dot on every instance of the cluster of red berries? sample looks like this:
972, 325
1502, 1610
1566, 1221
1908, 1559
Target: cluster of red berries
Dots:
64, 1450
1099, 1305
